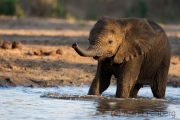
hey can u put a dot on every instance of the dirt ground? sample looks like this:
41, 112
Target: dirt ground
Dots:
23, 68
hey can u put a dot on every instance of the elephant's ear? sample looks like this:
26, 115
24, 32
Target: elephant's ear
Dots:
138, 39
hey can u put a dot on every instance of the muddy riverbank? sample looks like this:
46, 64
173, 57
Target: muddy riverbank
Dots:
24, 68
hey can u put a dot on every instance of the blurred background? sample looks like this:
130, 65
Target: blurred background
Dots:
46, 26
164, 11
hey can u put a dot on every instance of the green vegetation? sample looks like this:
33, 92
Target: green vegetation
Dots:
8, 7
160, 11
169, 13
11, 8
91, 15
58, 10
139, 9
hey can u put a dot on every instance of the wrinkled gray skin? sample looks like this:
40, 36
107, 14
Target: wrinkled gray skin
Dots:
136, 51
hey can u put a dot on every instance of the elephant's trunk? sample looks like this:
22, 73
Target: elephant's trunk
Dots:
90, 52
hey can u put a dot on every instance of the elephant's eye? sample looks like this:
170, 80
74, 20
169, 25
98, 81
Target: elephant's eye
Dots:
110, 41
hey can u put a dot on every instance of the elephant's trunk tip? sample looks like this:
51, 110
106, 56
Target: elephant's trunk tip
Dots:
90, 52
74, 45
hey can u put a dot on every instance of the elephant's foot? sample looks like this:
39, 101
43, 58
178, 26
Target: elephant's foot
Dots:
135, 90
91, 92
159, 93
133, 96
159, 90
122, 94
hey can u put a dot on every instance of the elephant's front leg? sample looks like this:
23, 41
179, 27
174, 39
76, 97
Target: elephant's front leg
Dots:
124, 87
101, 81
128, 75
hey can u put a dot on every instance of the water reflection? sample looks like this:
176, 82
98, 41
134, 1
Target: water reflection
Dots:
132, 108
145, 107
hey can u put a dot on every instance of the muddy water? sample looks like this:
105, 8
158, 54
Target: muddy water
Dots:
20, 103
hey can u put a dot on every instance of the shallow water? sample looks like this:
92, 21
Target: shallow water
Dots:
20, 103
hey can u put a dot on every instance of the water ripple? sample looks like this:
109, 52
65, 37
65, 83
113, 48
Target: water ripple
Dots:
72, 102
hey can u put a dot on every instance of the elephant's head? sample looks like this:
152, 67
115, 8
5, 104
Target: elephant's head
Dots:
121, 39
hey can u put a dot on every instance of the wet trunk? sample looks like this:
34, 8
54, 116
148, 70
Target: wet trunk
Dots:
90, 52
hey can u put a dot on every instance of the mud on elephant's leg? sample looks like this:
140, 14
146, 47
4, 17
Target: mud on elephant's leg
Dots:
101, 81
134, 91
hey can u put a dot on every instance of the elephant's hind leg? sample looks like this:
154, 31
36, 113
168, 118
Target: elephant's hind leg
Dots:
158, 90
134, 91
158, 85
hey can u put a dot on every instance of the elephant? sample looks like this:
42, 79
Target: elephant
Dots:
135, 50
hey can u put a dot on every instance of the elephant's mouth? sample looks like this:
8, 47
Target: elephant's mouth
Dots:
96, 57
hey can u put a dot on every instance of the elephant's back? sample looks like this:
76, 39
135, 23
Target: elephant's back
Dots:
155, 26
161, 43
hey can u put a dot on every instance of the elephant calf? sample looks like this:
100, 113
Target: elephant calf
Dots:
135, 50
